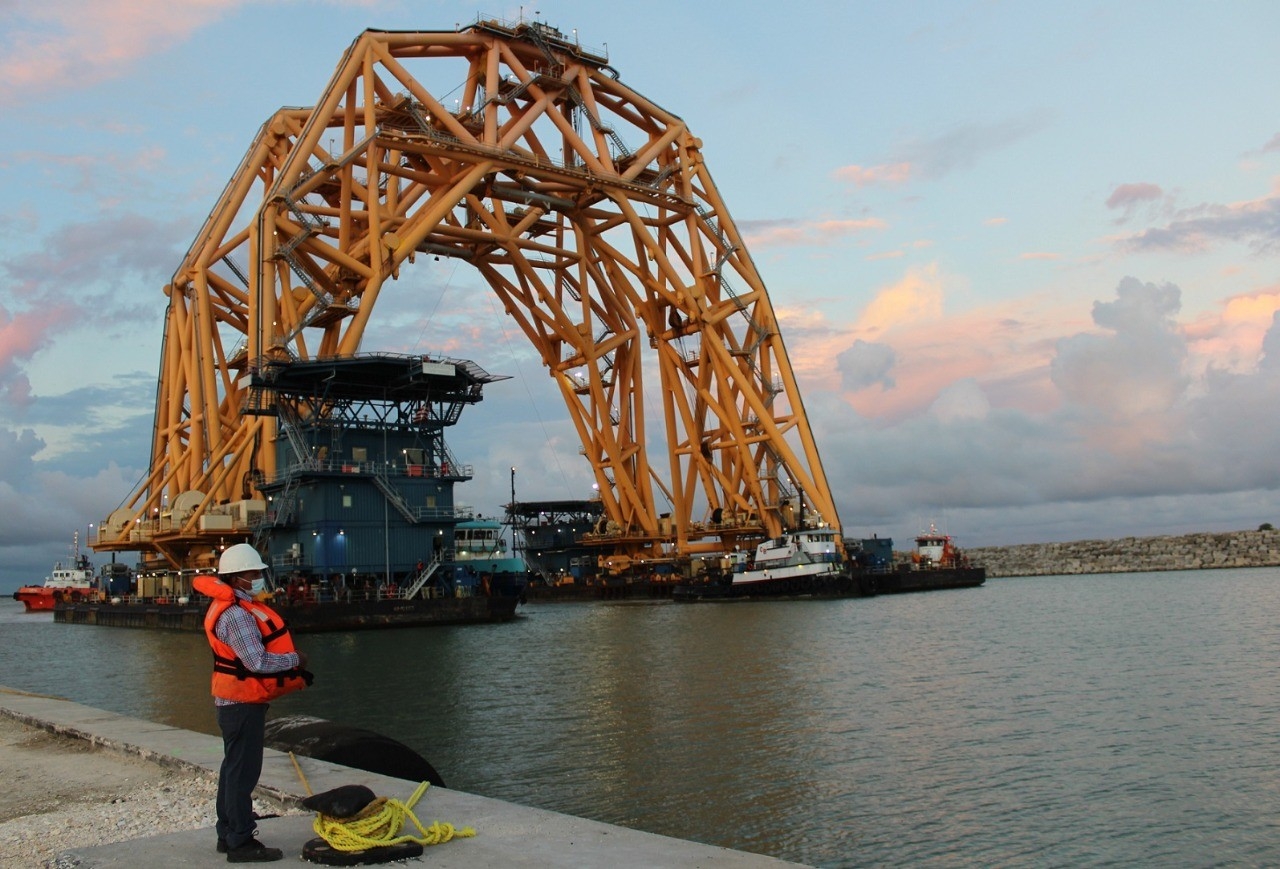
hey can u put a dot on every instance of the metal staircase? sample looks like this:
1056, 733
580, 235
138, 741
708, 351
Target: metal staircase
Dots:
393, 497
425, 575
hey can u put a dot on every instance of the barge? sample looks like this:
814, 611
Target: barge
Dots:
304, 616
357, 518
813, 562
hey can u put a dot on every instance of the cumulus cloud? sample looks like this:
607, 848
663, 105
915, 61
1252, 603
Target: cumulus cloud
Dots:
1135, 429
964, 399
865, 364
1138, 368
61, 472
918, 296
1271, 346
1229, 339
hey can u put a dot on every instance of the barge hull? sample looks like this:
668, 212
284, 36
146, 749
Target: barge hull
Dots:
302, 619
901, 581
858, 583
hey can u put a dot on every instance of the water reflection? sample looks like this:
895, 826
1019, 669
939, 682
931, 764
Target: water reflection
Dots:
1050, 721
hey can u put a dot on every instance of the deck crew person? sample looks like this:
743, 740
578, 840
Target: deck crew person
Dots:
254, 662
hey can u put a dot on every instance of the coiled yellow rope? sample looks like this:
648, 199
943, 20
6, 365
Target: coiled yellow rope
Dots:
380, 823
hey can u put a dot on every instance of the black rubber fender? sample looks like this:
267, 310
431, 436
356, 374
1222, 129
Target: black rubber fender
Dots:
355, 747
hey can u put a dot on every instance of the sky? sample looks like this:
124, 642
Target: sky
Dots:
1025, 255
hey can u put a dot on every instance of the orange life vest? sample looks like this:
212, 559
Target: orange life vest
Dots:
231, 679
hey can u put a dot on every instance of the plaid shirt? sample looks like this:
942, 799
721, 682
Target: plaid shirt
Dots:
236, 627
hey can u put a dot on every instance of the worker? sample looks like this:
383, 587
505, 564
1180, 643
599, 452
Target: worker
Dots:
254, 662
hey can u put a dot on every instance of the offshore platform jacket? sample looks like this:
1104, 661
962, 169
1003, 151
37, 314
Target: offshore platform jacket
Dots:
231, 679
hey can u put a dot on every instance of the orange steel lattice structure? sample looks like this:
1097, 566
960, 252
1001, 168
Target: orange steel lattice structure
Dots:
591, 214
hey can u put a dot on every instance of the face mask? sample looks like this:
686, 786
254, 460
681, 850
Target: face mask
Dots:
259, 586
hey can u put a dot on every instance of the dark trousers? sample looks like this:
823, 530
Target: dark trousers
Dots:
242, 726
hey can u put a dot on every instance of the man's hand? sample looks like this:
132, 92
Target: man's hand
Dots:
302, 660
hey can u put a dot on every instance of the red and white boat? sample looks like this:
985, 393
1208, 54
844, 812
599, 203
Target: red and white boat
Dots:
72, 582
935, 550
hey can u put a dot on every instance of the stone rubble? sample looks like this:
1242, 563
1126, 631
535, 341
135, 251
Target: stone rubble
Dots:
59, 793
182, 802
1198, 551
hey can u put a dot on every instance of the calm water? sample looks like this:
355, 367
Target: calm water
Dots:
1117, 719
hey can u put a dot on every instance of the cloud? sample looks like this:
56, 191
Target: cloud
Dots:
964, 399
1034, 255
1127, 195
965, 146
1128, 198
56, 495
1135, 370
1255, 223
865, 364
918, 296
1135, 441
1271, 346
102, 177
802, 233
932, 158
55, 44
866, 176
1229, 338
95, 274
22, 335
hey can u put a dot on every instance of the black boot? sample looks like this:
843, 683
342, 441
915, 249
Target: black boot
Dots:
253, 851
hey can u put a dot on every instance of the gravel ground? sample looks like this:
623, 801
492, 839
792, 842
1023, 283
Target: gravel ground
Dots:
58, 792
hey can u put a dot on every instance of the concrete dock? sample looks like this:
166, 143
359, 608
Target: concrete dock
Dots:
506, 834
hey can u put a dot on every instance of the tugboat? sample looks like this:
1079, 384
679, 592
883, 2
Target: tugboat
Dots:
482, 560
803, 561
936, 563
73, 582
935, 549
808, 562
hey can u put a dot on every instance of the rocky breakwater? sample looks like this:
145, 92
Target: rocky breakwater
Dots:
1132, 554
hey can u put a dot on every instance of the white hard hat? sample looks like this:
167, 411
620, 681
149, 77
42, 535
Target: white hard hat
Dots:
239, 558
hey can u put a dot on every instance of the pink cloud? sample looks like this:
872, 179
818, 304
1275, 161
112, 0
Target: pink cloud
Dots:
914, 299
1231, 339
1128, 195
21, 337
1029, 255
809, 232
865, 176
1005, 349
56, 43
